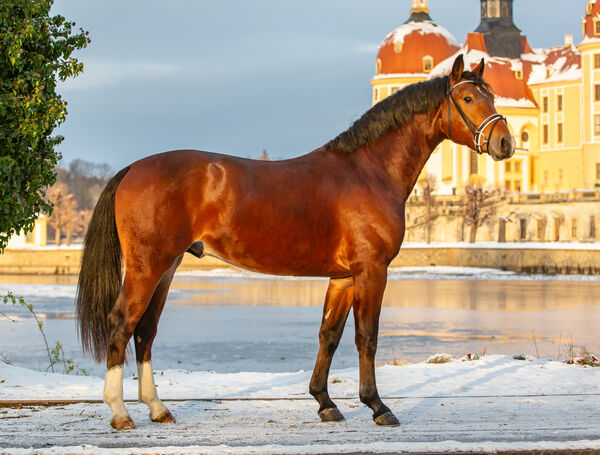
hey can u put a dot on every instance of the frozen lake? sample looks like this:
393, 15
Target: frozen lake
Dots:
226, 321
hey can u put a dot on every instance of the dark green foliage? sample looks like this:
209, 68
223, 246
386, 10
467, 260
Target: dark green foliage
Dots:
35, 53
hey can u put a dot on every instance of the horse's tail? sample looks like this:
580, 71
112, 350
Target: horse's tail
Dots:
100, 275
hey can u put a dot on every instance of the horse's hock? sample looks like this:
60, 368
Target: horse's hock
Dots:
524, 260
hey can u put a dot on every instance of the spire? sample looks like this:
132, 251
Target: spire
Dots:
419, 6
419, 11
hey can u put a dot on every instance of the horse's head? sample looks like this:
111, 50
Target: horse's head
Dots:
472, 118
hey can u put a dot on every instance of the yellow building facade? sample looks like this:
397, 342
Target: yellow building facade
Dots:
550, 97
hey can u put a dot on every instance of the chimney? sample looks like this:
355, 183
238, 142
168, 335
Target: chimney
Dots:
568, 40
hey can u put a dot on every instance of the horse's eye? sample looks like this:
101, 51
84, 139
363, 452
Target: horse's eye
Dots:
468, 99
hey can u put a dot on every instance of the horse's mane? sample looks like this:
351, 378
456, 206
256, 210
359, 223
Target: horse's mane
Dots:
397, 110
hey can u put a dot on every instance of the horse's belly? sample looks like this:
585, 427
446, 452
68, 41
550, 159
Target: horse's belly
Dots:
281, 261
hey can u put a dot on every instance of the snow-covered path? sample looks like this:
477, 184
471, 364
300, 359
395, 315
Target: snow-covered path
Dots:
496, 403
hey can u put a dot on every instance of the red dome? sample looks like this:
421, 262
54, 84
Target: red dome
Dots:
403, 50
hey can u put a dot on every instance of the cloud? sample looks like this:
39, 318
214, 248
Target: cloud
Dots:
366, 48
100, 74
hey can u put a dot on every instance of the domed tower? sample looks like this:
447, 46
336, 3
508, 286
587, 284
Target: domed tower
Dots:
409, 53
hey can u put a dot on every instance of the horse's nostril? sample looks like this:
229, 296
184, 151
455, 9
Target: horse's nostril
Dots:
505, 146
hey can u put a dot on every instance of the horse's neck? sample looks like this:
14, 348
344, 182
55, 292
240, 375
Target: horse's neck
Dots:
402, 153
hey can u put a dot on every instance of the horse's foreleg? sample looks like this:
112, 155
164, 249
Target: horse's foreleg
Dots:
122, 320
335, 312
369, 285
144, 334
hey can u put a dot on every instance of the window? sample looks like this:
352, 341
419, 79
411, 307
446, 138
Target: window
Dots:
427, 64
574, 228
596, 61
507, 166
519, 75
597, 171
517, 167
517, 185
559, 103
378, 66
398, 46
560, 176
395, 89
597, 125
559, 133
545, 102
507, 185
546, 178
597, 92
473, 169
524, 136
505, 11
493, 9
375, 95
590, 5
546, 134
596, 26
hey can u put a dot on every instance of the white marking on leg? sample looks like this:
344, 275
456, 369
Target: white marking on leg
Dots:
113, 392
147, 390
328, 313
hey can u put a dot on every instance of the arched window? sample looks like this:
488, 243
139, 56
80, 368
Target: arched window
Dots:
378, 66
397, 46
493, 9
427, 64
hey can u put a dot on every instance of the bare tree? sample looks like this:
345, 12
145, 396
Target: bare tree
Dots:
264, 156
65, 215
559, 220
542, 222
428, 188
479, 205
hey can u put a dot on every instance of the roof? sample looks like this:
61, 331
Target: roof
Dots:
402, 51
588, 20
500, 72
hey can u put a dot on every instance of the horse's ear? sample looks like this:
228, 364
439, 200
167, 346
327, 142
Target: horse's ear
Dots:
479, 69
457, 70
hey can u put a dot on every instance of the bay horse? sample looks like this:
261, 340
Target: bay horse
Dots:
337, 212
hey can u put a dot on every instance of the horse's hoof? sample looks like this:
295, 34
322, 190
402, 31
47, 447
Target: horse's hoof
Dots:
331, 415
387, 419
123, 423
165, 417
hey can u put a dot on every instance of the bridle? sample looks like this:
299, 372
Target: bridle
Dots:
479, 139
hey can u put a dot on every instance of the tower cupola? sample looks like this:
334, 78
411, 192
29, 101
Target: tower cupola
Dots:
502, 36
419, 11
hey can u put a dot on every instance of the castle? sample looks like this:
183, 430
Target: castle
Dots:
550, 97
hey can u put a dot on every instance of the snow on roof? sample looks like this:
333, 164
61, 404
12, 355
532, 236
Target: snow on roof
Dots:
424, 28
500, 101
560, 64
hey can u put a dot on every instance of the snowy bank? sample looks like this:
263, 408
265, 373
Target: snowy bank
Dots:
492, 404
492, 375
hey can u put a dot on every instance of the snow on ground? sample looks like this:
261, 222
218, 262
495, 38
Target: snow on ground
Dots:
495, 403
400, 273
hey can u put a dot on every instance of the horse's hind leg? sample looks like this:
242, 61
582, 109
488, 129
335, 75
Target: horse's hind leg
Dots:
144, 334
369, 285
138, 287
335, 312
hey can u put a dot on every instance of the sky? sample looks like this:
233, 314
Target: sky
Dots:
240, 76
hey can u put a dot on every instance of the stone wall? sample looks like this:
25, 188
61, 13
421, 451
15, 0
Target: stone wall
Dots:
536, 260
